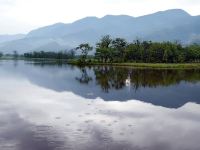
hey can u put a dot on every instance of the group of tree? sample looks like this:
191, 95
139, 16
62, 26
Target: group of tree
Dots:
15, 55
119, 50
85, 48
51, 55
110, 50
1, 54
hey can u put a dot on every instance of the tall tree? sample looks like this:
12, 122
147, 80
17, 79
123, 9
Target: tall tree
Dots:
103, 49
85, 48
119, 45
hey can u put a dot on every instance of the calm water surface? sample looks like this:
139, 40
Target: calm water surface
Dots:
62, 107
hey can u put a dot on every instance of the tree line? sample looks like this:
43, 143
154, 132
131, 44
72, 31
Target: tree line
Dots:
119, 50
109, 50
51, 55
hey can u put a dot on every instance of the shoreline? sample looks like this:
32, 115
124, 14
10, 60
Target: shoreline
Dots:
128, 64
143, 65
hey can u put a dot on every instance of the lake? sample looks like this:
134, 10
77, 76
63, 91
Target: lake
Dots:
48, 106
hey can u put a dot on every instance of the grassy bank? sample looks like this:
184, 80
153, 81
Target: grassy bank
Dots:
144, 65
131, 64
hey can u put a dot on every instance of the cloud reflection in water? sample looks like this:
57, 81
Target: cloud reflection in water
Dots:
36, 118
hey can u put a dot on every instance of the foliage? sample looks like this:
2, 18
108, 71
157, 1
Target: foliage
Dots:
1, 54
51, 55
119, 50
104, 51
193, 53
85, 48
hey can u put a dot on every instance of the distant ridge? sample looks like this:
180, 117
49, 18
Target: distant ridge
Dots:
169, 25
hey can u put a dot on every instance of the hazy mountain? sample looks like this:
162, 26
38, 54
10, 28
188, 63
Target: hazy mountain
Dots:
7, 38
167, 25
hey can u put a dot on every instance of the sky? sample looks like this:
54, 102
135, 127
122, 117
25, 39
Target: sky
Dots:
21, 16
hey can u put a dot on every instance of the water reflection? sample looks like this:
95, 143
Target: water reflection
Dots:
168, 88
34, 117
108, 77
165, 87
112, 77
84, 78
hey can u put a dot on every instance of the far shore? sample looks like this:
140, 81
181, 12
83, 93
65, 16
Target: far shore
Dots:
145, 65
124, 64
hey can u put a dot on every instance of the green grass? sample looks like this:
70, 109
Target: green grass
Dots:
130, 64
145, 65
161, 65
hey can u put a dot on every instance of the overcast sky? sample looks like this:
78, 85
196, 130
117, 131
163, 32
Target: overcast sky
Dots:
21, 16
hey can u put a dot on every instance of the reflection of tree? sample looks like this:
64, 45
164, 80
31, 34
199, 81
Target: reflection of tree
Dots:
102, 77
15, 62
109, 77
154, 78
85, 78
115, 78
48, 63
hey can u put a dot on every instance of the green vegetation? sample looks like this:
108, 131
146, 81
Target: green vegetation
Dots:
138, 53
160, 65
1, 54
119, 51
50, 55
141, 65
85, 48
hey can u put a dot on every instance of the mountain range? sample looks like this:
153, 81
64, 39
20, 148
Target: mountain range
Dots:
169, 25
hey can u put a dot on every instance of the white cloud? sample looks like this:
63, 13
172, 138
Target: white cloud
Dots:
23, 15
